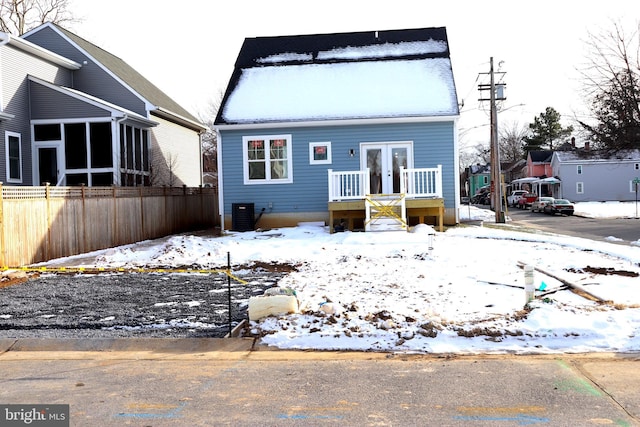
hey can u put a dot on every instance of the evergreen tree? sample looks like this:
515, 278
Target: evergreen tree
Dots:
545, 131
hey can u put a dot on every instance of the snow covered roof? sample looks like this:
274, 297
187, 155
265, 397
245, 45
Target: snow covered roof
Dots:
364, 75
597, 156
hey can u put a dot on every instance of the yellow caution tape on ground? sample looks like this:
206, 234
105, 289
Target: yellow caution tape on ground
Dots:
96, 270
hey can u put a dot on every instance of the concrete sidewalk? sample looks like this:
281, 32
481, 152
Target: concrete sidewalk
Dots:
238, 381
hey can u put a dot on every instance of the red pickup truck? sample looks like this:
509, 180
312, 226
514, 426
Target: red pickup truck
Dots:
524, 202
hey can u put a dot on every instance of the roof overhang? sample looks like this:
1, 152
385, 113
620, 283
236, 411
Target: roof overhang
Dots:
38, 51
5, 116
526, 180
549, 180
345, 122
535, 180
115, 110
176, 118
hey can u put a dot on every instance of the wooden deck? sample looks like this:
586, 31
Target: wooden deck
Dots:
420, 208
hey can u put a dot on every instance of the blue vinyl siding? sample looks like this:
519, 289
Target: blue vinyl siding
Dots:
432, 145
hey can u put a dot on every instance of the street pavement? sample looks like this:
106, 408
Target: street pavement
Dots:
239, 382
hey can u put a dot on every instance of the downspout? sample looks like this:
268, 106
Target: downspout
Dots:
220, 180
202, 132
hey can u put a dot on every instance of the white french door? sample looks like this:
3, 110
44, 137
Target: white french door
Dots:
384, 161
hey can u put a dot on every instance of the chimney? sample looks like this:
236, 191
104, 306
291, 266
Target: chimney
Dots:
573, 141
586, 146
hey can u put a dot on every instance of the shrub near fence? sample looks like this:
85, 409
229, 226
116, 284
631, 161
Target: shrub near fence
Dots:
42, 223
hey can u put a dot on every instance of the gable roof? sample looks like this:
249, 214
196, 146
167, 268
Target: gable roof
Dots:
38, 51
164, 105
541, 156
480, 169
360, 75
112, 109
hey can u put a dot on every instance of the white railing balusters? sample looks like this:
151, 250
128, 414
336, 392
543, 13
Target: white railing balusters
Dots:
351, 185
414, 183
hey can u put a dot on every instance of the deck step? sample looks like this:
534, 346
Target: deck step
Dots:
385, 212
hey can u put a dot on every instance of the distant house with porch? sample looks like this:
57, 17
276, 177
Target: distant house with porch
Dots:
539, 163
346, 128
593, 175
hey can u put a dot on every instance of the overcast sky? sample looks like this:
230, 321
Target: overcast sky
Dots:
187, 48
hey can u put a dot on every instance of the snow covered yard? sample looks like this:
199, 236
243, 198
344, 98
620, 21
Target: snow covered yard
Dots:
389, 291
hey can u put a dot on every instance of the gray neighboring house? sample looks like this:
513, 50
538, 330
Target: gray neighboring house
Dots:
590, 176
72, 113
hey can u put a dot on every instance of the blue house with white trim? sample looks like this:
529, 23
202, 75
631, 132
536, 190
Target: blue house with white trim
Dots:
349, 129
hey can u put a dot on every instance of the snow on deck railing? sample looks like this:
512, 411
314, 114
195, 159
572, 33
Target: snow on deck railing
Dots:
426, 182
351, 185
415, 183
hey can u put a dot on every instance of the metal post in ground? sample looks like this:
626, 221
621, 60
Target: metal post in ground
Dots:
229, 288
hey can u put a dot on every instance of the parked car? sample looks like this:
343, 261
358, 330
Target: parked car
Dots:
482, 196
561, 206
512, 199
540, 203
525, 201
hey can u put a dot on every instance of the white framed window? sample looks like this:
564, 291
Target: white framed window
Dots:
13, 152
579, 169
632, 186
580, 187
636, 166
485, 180
267, 159
320, 153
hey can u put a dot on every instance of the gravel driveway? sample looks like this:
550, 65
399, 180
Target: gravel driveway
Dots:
128, 304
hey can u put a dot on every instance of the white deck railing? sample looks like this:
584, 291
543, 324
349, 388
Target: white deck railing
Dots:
426, 182
351, 185
414, 183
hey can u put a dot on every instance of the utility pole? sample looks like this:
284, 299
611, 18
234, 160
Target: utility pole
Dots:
496, 173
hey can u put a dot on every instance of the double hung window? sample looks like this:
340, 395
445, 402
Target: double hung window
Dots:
267, 159
13, 157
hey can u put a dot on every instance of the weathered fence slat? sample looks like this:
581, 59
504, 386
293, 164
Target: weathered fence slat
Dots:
42, 223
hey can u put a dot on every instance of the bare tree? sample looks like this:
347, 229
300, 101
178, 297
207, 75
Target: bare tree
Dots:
510, 139
163, 170
612, 84
477, 154
19, 16
210, 139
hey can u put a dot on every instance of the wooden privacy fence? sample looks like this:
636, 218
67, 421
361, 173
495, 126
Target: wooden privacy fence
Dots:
42, 223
